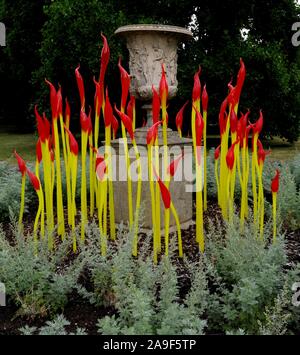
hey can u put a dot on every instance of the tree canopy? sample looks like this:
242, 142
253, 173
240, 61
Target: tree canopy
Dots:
49, 39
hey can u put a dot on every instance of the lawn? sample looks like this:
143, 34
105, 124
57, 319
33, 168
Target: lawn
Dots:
25, 146
282, 150
23, 143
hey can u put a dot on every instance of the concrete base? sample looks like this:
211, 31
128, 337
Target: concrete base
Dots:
180, 188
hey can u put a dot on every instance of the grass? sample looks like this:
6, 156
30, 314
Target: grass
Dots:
281, 149
23, 143
25, 146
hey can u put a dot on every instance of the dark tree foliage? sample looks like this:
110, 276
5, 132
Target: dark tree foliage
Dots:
23, 21
51, 41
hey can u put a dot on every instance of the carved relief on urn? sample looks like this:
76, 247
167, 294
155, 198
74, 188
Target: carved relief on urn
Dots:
149, 46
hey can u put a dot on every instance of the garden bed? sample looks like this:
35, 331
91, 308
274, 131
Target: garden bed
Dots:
80, 313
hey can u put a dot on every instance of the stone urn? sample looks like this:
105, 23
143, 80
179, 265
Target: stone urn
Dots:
149, 46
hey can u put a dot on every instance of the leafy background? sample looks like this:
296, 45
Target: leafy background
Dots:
49, 39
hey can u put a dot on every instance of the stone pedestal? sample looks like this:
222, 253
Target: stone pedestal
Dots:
181, 186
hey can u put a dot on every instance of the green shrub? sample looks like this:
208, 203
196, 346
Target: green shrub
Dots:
146, 296
55, 327
10, 191
248, 277
211, 178
288, 194
276, 317
239, 286
38, 284
292, 276
295, 169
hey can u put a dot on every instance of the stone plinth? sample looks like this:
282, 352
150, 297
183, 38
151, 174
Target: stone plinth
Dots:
181, 186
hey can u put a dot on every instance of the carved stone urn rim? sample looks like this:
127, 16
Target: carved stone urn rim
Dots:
181, 32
